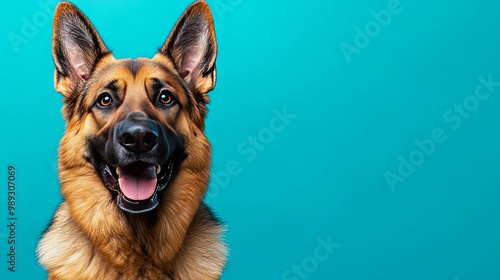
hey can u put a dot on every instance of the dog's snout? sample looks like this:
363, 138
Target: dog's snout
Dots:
138, 135
137, 115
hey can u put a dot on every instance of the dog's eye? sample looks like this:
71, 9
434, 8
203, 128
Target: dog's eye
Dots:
105, 100
165, 97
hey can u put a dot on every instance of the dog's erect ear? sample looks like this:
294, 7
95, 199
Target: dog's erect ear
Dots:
193, 48
76, 48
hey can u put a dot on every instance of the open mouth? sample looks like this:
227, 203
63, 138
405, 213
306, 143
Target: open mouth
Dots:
137, 184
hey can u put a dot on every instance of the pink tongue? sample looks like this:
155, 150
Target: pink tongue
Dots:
138, 185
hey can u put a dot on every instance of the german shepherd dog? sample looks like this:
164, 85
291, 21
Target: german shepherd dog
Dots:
134, 162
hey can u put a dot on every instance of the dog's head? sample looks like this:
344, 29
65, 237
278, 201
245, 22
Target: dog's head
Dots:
135, 123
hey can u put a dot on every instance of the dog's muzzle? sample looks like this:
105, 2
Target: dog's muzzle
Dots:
137, 185
136, 162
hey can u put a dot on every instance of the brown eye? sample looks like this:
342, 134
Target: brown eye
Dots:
105, 100
165, 97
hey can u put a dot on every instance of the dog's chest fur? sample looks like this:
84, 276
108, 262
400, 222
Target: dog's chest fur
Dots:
72, 255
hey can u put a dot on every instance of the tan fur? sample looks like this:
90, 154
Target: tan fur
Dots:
90, 237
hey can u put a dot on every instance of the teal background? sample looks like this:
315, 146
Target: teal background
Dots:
322, 174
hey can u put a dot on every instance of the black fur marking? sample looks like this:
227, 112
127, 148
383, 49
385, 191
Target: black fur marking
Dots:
141, 272
166, 69
134, 66
213, 218
70, 105
81, 105
61, 58
112, 86
209, 54
91, 259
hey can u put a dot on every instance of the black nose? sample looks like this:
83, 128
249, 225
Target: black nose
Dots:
137, 135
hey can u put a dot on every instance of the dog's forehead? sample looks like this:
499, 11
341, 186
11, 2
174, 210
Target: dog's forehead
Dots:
144, 66
133, 77
138, 71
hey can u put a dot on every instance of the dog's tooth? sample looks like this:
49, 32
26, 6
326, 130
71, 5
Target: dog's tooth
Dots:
158, 169
118, 171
